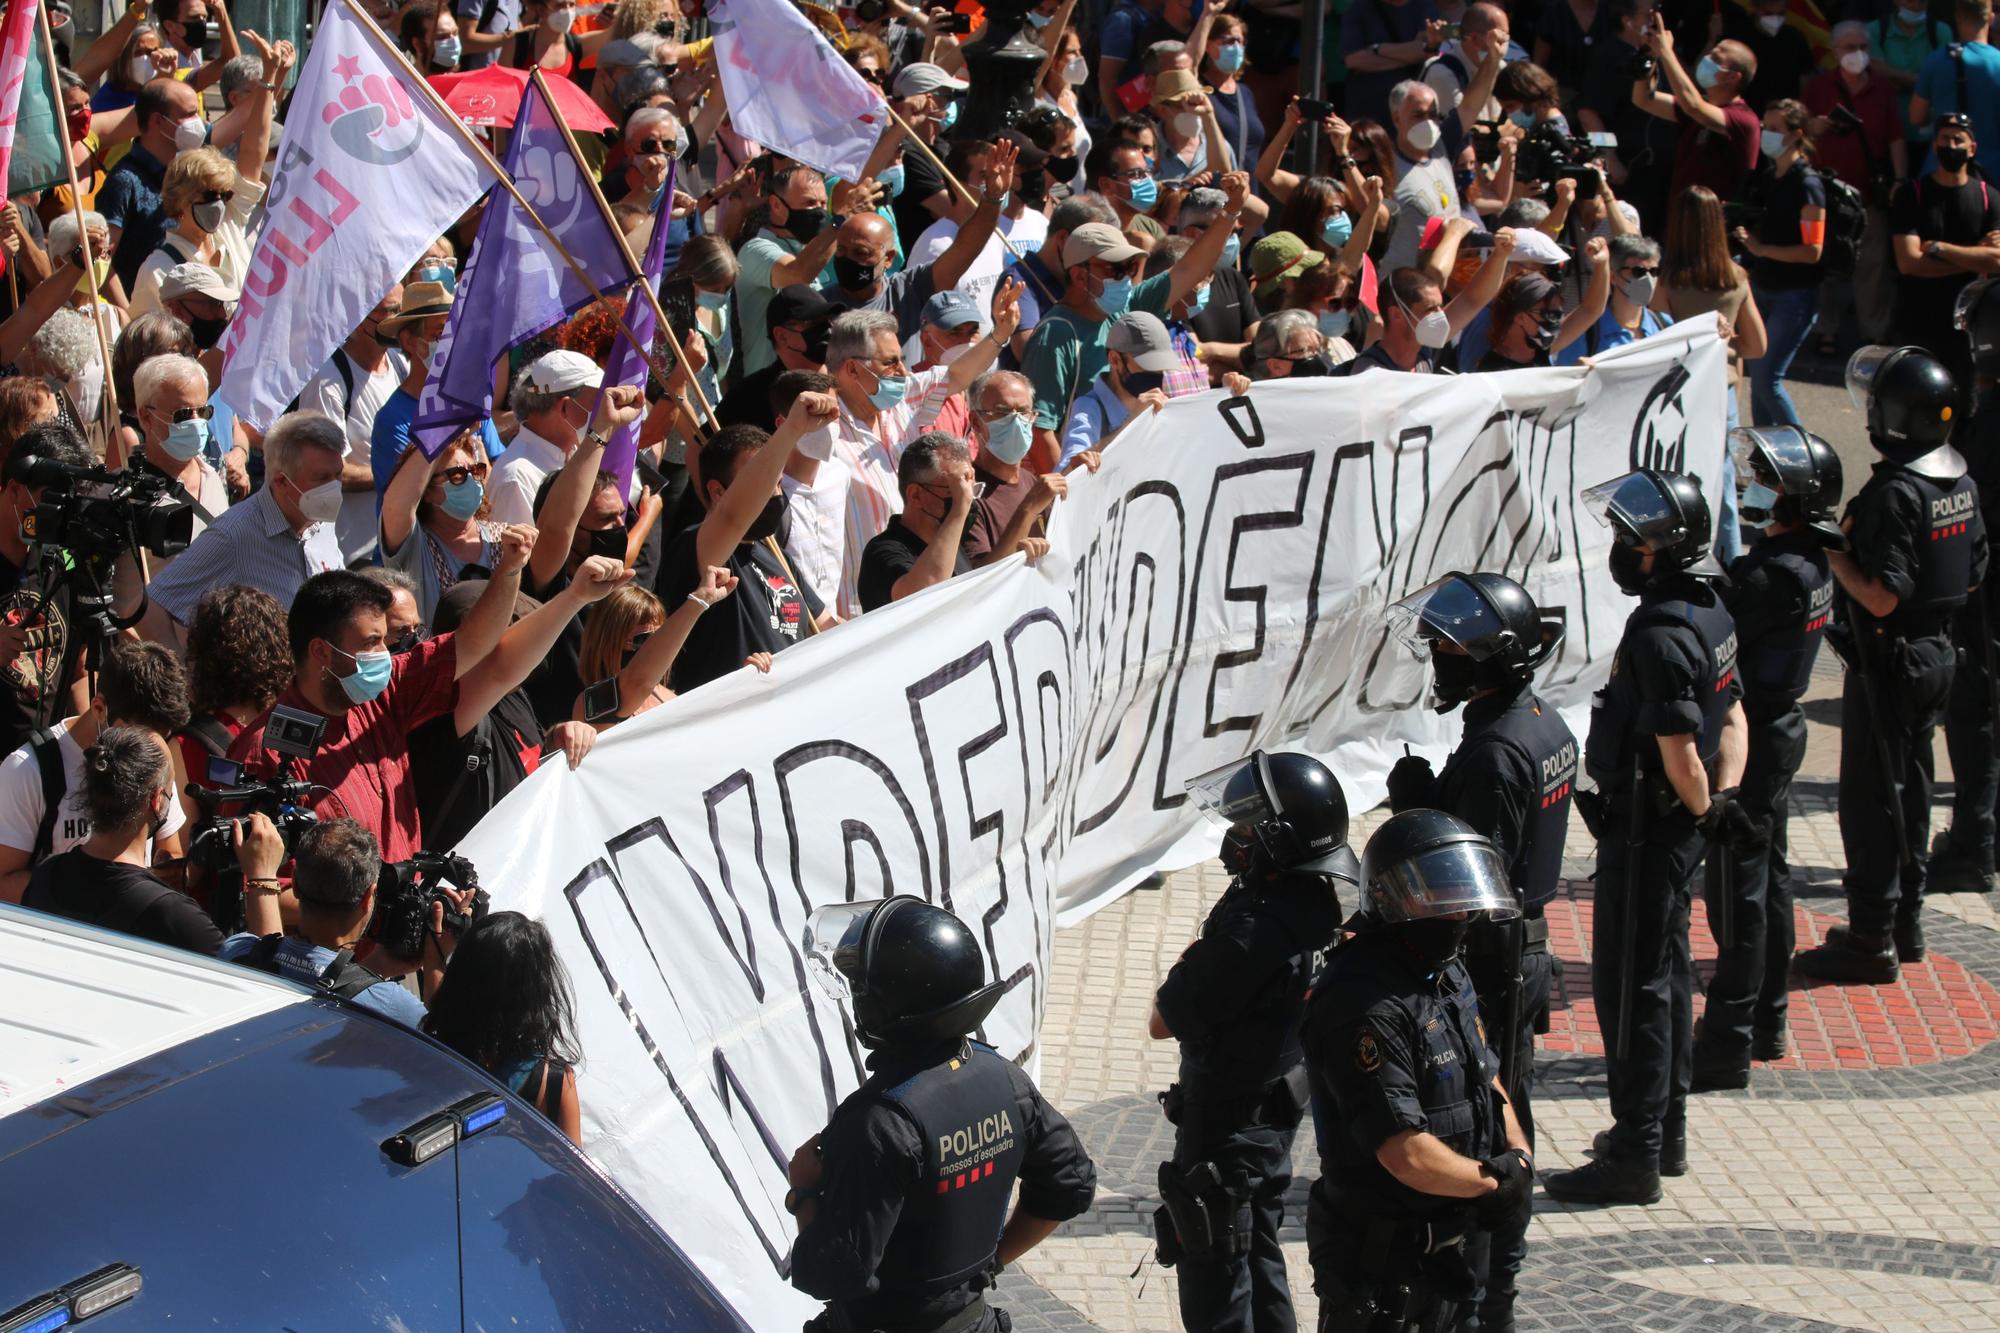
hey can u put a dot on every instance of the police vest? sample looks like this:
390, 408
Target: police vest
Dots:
1293, 920
1609, 751
949, 1228
1777, 663
1543, 741
1944, 546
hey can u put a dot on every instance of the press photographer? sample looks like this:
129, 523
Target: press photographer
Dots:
38, 653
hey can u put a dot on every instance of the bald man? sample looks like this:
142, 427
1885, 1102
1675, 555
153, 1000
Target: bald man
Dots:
1718, 130
865, 246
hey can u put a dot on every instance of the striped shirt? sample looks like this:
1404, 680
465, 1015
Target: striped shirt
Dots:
872, 453
253, 543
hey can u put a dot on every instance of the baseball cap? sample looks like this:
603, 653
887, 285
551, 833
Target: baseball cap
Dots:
195, 280
1098, 240
951, 309
1279, 256
798, 303
1144, 339
562, 371
1535, 247
1032, 158
924, 77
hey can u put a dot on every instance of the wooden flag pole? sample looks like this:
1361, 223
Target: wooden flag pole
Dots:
966, 195
108, 400
1054, 32
644, 284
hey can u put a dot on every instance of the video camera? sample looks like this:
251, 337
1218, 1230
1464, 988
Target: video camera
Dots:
1548, 155
119, 512
291, 732
405, 891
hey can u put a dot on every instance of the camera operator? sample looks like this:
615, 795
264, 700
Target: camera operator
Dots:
127, 792
1638, 165
41, 655
1718, 135
335, 867
142, 685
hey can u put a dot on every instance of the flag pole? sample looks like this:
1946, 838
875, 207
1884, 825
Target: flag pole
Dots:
381, 39
963, 193
108, 400
645, 283
1055, 32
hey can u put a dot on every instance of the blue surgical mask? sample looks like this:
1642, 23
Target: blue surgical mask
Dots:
889, 391
1145, 193
710, 300
1707, 72
186, 439
462, 499
371, 675
1008, 438
1229, 57
891, 180
443, 274
1335, 323
445, 50
1913, 17
1336, 229
1525, 119
1116, 298
1756, 501
1198, 302
1040, 20
1232, 250
950, 117
1772, 142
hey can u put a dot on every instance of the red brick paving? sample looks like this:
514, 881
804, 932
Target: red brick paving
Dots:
1937, 1011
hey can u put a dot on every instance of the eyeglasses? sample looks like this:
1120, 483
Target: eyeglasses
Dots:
1637, 270
458, 476
893, 364
651, 146
999, 414
874, 76
205, 412
639, 640
1132, 174
978, 491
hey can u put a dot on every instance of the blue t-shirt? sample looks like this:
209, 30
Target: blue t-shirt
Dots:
1608, 333
1119, 39
1937, 82
392, 436
302, 961
129, 199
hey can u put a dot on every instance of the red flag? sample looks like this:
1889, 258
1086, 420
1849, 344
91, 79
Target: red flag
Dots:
17, 32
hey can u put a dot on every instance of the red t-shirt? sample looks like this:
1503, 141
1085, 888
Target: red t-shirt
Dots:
1846, 154
364, 757
1720, 159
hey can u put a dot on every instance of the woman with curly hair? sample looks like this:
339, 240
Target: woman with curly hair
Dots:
239, 661
434, 518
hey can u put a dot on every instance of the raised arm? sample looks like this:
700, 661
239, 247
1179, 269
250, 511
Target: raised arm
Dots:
757, 476
652, 664
1688, 98
96, 62
1484, 75
1597, 253
1276, 179
970, 243
978, 358
570, 495
529, 640
405, 493
1485, 284
1198, 264
804, 268
489, 617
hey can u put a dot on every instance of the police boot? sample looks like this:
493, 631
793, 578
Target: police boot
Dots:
1768, 1046
1955, 869
1909, 936
1673, 1147
1606, 1180
1849, 955
1718, 1069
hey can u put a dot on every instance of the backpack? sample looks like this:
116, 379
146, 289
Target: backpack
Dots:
343, 977
1846, 219
345, 369
46, 746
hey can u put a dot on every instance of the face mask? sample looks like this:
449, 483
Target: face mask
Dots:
1435, 941
767, 521
1707, 72
1062, 169
1198, 302
889, 391
1008, 438
608, 542
1142, 381
186, 439
140, 69
1040, 20
1312, 368
1756, 501
1335, 323
1911, 17
805, 223
1115, 298
423, 352
1187, 124
208, 215
371, 674
462, 499
190, 134
100, 269
951, 354
1543, 335
1525, 119
207, 332
1433, 330
1953, 159
711, 300
196, 31
1454, 678
891, 180
1424, 135
1229, 58
854, 276
79, 125
1336, 229
443, 274
949, 119
445, 50
1772, 142
1639, 290
559, 21
1075, 70
1770, 23
321, 504
1625, 568
816, 342
1145, 193
1855, 63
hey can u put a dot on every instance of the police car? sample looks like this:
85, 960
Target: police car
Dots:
188, 1143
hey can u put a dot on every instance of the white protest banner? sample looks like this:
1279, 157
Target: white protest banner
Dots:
1013, 745
370, 173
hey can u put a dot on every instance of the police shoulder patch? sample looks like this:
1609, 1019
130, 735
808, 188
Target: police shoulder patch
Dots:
1367, 1052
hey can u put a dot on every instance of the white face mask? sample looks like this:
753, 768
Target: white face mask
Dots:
558, 21
1855, 62
190, 134
1075, 70
321, 504
1424, 135
1434, 330
140, 69
1187, 124
951, 354
1770, 23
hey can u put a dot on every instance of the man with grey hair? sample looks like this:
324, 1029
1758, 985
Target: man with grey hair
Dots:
1635, 275
552, 401
276, 540
170, 397
1224, 320
923, 545
1008, 517
1426, 186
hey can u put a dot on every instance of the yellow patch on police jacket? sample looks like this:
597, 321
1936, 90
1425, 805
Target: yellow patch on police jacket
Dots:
1367, 1052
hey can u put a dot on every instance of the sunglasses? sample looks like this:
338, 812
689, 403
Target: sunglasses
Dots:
978, 491
206, 412
458, 476
217, 196
651, 146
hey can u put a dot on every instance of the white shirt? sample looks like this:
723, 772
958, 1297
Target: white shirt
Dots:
327, 393
872, 454
21, 800
232, 249
530, 460
817, 540
1028, 233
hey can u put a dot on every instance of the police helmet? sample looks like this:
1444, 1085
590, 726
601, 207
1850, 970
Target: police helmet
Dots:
1977, 316
1284, 811
1786, 475
1664, 510
913, 972
1911, 400
1424, 864
1489, 618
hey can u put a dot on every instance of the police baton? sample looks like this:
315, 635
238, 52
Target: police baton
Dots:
1864, 663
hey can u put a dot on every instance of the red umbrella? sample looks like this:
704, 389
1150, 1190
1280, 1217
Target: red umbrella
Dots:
492, 96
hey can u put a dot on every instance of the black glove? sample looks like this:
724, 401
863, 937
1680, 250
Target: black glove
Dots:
1728, 823
1517, 1187
1410, 784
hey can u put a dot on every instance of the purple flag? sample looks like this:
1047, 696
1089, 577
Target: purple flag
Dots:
628, 364
515, 282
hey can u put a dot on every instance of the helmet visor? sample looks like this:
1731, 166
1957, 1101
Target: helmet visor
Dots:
1774, 457
1452, 608
1633, 507
833, 946
1232, 794
1862, 370
1969, 297
1458, 877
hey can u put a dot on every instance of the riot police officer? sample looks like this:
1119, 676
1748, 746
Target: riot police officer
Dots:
1962, 857
1780, 594
1419, 1146
1234, 1001
902, 1200
1918, 548
1510, 778
1666, 751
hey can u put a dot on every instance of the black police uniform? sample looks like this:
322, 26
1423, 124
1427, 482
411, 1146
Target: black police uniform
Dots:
1234, 1001
1968, 723
918, 1169
1511, 778
1780, 595
1924, 540
1391, 1046
1674, 675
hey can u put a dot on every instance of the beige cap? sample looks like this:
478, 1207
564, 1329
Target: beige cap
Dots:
1098, 240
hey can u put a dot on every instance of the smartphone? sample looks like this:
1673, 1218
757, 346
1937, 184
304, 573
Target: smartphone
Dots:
600, 701
956, 24
1313, 109
1451, 32
1602, 139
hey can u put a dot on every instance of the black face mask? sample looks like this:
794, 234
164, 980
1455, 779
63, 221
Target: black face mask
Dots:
197, 31
207, 332
1435, 941
1032, 187
768, 520
1454, 678
816, 343
1543, 335
854, 276
1625, 568
805, 223
608, 541
1312, 367
1143, 381
1953, 159
1062, 169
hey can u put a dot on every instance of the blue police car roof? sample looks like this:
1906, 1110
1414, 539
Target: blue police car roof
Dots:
212, 1144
